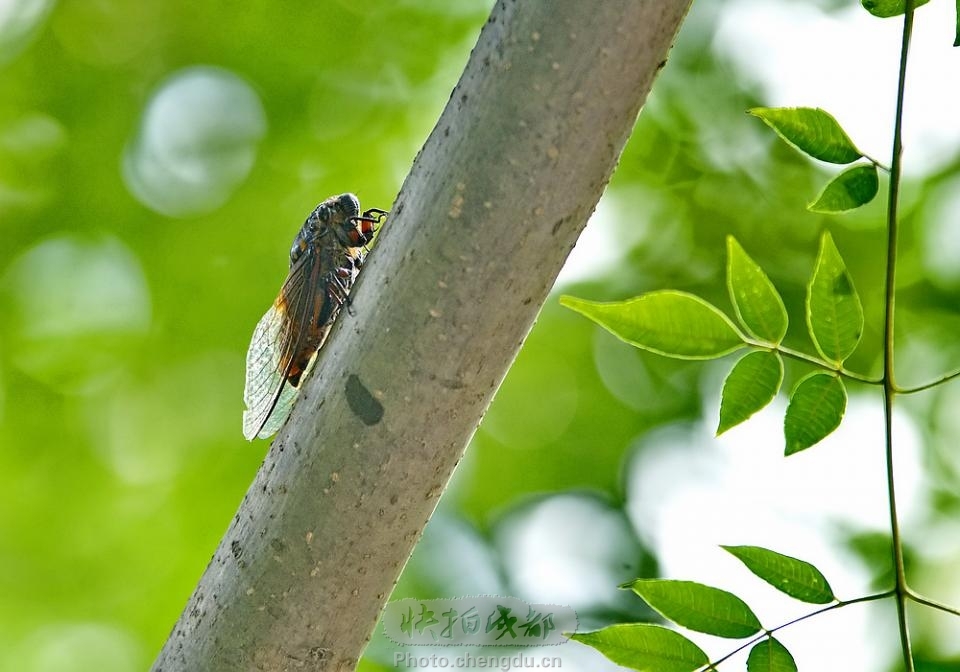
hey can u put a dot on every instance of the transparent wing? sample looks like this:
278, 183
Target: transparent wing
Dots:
276, 418
266, 377
279, 335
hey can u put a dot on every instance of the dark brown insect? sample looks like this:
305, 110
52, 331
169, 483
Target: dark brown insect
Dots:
325, 258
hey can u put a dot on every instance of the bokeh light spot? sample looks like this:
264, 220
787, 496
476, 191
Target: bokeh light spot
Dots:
98, 31
941, 234
20, 20
455, 558
74, 306
569, 549
197, 142
624, 374
31, 148
79, 647
536, 403
3, 394
34, 136
125, 428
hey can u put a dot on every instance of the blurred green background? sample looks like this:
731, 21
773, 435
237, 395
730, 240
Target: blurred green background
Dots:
156, 160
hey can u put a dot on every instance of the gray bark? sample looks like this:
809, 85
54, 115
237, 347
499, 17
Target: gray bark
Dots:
489, 212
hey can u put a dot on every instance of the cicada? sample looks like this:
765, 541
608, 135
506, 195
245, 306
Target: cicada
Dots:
325, 259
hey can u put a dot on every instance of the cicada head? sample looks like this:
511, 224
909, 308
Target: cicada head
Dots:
336, 213
348, 206
337, 210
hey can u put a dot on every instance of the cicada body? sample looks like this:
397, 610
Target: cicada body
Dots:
325, 259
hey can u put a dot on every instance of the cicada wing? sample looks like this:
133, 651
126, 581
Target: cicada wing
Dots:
281, 411
279, 335
266, 370
276, 418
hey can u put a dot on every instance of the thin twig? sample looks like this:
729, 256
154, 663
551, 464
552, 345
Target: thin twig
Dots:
926, 386
816, 361
933, 604
823, 610
879, 165
889, 382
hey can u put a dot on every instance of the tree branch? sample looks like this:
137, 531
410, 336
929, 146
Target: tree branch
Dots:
492, 206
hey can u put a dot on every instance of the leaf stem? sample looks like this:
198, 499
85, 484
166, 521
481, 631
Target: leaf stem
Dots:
926, 386
879, 165
889, 382
830, 607
933, 604
816, 361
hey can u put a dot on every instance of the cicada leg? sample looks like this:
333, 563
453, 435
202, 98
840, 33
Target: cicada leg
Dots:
338, 290
365, 225
375, 213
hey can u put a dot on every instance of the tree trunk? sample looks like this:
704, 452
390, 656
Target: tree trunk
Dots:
492, 206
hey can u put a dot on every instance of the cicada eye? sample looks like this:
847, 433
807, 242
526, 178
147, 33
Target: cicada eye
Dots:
321, 213
349, 205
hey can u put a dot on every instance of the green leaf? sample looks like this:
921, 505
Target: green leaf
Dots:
834, 313
812, 131
645, 647
752, 384
770, 656
887, 8
671, 323
755, 299
815, 410
698, 607
847, 191
796, 578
